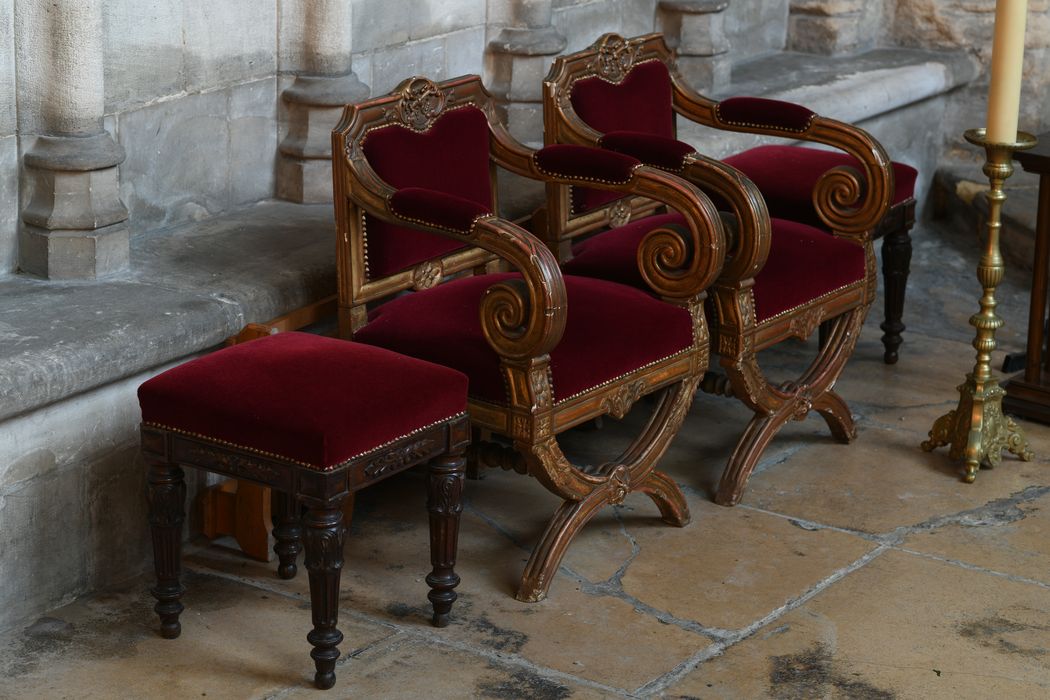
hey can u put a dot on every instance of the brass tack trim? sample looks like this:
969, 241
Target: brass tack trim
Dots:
774, 127
273, 455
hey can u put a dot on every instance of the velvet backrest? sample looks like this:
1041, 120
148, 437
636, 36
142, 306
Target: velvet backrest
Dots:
641, 102
452, 156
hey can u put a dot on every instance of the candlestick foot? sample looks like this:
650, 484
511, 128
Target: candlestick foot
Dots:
977, 431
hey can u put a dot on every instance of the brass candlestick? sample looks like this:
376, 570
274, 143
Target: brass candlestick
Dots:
977, 429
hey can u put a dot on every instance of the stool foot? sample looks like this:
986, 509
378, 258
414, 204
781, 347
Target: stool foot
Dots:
287, 532
445, 503
324, 534
166, 493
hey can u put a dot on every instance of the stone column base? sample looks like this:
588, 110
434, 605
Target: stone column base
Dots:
74, 254
304, 158
74, 225
696, 30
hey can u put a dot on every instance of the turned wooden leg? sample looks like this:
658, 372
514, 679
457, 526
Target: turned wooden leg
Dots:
445, 503
287, 532
896, 263
324, 533
166, 493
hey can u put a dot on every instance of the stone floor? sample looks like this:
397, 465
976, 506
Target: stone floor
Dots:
859, 571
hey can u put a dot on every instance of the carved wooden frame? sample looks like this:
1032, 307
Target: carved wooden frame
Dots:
523, 322
322, 528
849, 208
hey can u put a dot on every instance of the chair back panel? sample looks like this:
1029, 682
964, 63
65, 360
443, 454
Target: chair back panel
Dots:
642, 101
452, 156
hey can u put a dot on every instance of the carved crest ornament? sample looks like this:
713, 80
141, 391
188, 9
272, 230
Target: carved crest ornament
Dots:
616, 57
421, 103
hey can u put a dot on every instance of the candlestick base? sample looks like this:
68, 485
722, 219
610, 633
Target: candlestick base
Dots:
977, 430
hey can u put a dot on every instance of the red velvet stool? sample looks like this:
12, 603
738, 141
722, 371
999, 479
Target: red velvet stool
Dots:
787, 176
315, 419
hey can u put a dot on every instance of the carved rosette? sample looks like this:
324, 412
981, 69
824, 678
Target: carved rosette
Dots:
420, 104
803, 324
619, 404
618, 213
619, 484
616, 57
427, 275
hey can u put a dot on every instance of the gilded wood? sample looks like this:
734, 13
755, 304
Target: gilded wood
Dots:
850, 210
523, 320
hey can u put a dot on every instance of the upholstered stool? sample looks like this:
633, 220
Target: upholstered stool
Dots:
787, 176
315, 419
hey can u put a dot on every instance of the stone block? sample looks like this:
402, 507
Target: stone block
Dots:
582, 24
43, 524
8, 204
8, 116
68, 255
524, 120
177, 166
143, 51
118, 514
638, 17
465, 52
307, 181
706, 74
253, 140
392, 65
376, 25
756, 28
518, 78
228, 42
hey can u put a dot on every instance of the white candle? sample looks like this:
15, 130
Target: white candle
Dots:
1004, 93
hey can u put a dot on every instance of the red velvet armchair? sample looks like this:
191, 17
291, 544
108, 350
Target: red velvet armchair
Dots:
419, 231
782, 278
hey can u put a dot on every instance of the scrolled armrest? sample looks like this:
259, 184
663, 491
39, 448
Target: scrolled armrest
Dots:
675, 266
584, 164
660, 151
762, 113
437, 209
523, 318
847, 200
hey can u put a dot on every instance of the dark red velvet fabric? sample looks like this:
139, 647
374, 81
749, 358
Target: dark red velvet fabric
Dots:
758, 111
804, 263
451, 157
639, 103
612, 255
786, 175
585, 163
303, 397
660, 151
611, 330
439, 209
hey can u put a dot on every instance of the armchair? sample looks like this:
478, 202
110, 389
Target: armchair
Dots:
418, 229
782, 278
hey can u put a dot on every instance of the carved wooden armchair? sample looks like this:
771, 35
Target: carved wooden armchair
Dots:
416, 212
781, 279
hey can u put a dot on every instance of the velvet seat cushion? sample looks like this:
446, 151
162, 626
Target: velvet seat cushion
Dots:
303, 398
804, 263
786, 175
610, 330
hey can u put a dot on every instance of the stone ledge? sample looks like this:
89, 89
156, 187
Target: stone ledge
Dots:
189, 288
849, 88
